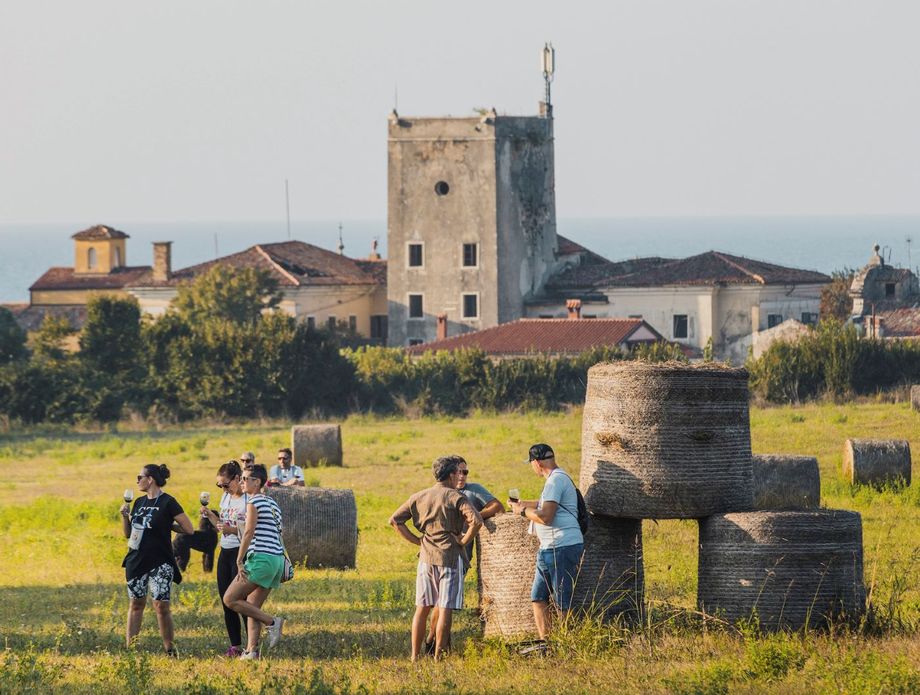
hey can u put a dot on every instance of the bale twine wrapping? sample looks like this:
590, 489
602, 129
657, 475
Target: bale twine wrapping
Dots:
787, 568
666, 441
507, 556
915, 397
317, 445
782, 481
876, 461
320, 525
610, 579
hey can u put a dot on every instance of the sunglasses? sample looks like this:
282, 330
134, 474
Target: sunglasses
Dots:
141, 477
223, 486
284, 458
247, 460
247, 478
462, 471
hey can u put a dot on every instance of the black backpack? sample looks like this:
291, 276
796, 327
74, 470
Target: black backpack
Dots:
582, 507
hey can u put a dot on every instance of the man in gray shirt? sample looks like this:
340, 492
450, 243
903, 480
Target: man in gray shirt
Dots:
441, 514
487, 506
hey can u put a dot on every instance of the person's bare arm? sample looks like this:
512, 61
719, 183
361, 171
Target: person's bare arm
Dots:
491, 509
544, 515
248, 534
126, 519
184, 523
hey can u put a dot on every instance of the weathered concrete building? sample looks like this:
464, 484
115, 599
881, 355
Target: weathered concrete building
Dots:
886, 299
471, 222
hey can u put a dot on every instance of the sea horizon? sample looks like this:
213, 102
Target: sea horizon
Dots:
814, 242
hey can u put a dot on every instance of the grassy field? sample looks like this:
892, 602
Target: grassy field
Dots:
63, 596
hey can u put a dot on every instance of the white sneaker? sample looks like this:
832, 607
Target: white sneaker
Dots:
250, 656
274, 632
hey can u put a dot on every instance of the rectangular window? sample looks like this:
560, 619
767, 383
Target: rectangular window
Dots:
808, 317
415, 341
416, 256
353, 323
470, 255
889, 289
311, 322
471, 306
330, 323
379, 327
416, 309
680, 326
635, 316
774, 320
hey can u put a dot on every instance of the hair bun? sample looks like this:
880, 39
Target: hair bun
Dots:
164, 471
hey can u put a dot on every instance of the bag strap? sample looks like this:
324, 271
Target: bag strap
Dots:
576, 493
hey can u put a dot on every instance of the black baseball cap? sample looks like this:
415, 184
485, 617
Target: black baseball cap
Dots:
541, 452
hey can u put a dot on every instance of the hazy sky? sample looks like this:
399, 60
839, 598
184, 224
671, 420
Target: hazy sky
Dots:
114, 111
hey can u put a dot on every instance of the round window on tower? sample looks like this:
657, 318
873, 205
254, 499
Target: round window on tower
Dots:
441, 188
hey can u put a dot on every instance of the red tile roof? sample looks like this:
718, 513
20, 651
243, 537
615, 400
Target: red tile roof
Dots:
903, 322
291, 263
554, 336
717, 268
67, 279
98, 233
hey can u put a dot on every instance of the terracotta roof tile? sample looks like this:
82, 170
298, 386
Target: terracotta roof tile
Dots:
291, 263
67, 279
98, 233
903, 322
554, 336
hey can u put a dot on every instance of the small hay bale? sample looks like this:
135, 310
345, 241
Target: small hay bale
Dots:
666, 441
876, 461
610, 579
915, 397
320, 525
783, 481
317, 445
507, 557
788, 569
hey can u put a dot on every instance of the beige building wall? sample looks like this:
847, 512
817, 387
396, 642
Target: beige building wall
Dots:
108, 255
319, 303
69, 297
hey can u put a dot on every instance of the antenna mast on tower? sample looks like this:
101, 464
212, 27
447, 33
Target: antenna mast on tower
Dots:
341, 243
548, 63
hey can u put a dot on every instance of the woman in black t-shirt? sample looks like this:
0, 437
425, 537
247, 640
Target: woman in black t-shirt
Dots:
150, 562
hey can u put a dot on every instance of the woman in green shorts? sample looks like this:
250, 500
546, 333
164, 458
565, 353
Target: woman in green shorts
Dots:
260, 562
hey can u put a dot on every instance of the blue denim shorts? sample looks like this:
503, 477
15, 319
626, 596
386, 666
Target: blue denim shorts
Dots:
556, 571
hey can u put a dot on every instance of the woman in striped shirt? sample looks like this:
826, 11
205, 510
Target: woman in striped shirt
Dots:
260, 562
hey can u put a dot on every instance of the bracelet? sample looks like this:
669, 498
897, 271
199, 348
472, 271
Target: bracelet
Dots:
524, 512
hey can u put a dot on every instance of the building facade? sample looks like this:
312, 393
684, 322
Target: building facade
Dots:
471, 221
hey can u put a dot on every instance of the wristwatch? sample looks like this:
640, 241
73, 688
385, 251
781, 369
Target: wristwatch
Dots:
524, 512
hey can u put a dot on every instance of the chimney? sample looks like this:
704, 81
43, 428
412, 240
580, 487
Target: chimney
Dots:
574, 307
442, 326
162, 261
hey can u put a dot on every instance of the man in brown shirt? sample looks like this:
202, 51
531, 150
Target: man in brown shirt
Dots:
440, 513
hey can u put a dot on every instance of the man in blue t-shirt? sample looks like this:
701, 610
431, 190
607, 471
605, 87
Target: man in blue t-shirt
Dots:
488, 506
554, 519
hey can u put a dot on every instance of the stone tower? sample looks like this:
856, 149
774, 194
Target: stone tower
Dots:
471, 222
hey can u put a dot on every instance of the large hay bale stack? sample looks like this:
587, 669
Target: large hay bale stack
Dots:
610, 579
915, 397
507, 557
876, 461
316, 445
666, 441
787, 568
320, 525
782, 481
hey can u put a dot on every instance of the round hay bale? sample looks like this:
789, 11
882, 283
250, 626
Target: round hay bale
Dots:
783, 481
915, 397
666, 441
789, 569
320, 525
507, 557
876, 461
610, 579
316, 445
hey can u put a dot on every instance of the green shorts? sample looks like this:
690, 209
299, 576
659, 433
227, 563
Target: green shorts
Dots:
264, 569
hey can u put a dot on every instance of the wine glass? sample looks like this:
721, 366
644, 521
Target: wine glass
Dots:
204, 497
128, 495
514, 494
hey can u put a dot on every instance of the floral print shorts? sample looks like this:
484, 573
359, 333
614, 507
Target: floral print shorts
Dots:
159, 580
